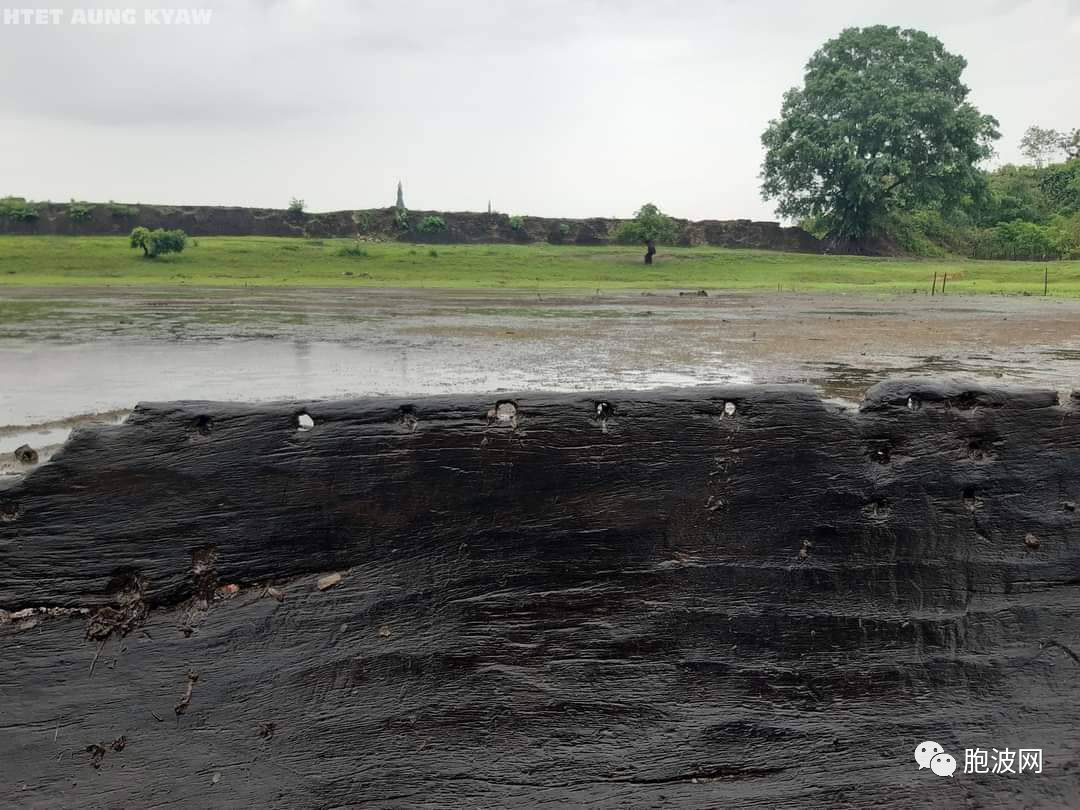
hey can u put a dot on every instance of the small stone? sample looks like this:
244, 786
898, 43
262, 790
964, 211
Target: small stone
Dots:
384, 632
215, 779
329, 581
274, 592
229, 591
25, 454
1031, 541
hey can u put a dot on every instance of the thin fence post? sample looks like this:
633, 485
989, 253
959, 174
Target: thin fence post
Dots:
933, 286
1046, 280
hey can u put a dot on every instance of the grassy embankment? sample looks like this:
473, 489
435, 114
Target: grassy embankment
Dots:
278, 262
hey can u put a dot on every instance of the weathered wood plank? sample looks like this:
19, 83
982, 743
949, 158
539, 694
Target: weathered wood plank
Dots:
733, 596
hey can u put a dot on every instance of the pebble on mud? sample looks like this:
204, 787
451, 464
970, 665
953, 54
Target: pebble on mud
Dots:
26, 454
329, 581
1031, 541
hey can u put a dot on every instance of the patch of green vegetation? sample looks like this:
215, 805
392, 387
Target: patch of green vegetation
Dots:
649, 224
282, 262
18, 209
517, 222
157, 242
355, 251
79, 211
121, 211
432, 224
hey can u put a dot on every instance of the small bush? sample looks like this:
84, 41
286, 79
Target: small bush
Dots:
353, 251
157, 242
517, 222
296, 206
18, 209
433, 253
564, 229
121, 211
79, 211
361, 221
401, 219
432, 225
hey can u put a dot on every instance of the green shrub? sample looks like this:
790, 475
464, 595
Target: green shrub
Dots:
433, 253
121, 211
361, 221
79, 211
564, 230
928, 233
18, 209
517, 222
296, 206
354, 251
1068, 235
157, 242
401, 219
432, 225
1020, 240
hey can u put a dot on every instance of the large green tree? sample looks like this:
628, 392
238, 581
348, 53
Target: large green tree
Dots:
880, 124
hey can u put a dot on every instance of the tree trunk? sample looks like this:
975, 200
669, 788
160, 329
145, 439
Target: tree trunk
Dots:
650, 251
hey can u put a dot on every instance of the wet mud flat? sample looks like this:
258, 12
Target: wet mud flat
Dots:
72, 356
717, 596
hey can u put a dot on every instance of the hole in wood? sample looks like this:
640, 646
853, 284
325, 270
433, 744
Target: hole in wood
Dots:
204, 425
504, 413
9, 511
882, 454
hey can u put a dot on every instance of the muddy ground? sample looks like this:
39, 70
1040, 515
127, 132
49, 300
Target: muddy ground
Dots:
69, 356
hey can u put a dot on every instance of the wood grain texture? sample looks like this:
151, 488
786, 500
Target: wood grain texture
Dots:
621, 599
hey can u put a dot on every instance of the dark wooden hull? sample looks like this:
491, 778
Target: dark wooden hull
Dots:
623, 599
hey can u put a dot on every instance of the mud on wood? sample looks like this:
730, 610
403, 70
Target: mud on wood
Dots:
711, 597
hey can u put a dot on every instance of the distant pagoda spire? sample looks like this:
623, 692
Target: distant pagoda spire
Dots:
400, 197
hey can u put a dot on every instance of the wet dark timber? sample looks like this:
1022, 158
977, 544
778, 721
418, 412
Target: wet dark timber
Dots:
712, 597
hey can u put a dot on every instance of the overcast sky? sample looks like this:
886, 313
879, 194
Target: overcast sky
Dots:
561, 108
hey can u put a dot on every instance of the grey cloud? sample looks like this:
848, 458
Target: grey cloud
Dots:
560, 107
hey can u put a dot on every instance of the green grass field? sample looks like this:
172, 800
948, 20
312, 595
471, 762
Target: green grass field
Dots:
281, 262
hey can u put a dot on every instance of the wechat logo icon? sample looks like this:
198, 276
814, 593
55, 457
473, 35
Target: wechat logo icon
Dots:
931, 755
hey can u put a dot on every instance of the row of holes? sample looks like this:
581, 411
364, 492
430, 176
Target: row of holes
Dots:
504, 411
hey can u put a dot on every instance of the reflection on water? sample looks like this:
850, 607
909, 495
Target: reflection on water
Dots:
60, 380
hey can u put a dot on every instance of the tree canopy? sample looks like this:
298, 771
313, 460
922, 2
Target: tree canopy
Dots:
1040, 145
157, 242
649, 224
880, 124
